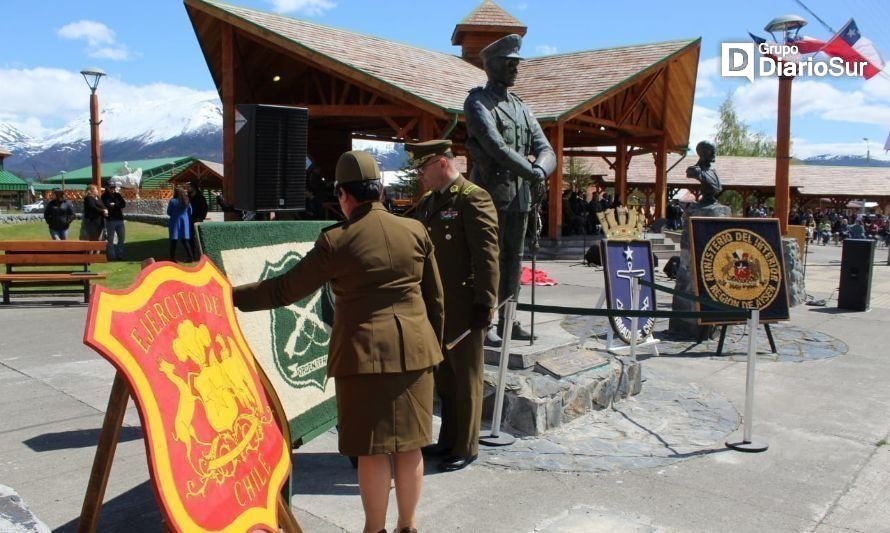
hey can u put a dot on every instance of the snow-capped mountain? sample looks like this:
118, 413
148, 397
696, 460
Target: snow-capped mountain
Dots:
877, 160
12, 138
150, 129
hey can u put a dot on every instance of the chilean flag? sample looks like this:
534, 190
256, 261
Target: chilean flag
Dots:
852, 47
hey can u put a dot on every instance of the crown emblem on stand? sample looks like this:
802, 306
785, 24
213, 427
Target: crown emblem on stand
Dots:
622, 223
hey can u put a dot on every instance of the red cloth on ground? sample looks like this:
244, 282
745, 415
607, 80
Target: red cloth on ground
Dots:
541, 277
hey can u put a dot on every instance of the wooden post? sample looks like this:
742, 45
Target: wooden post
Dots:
621, 171
783, 140
554, 199
227, 90
661, 178
108, 438
94, 140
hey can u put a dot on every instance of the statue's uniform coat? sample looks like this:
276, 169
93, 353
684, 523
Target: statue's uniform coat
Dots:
462, 223
503, 136
388, 320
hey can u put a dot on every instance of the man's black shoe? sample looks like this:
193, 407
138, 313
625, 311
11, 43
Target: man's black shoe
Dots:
455, 462
435, 450
492, 340
518, 333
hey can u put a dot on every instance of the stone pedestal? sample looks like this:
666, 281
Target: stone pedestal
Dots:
688, 328
535, 403
794, 273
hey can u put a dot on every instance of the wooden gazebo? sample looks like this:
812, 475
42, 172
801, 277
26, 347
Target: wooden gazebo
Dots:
754, 178
615, 103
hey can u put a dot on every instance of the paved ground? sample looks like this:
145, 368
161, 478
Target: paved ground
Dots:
656, 463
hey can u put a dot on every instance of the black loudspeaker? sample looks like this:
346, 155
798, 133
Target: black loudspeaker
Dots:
592, 256
672, 266
856, 273
270, 157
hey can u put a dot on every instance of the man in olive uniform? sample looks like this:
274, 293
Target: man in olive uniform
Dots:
462, 223
510, 156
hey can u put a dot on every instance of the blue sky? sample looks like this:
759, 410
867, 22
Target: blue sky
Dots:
149, 48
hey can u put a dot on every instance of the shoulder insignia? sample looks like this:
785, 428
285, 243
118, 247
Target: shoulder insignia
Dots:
454, 188
332, 226
470, 188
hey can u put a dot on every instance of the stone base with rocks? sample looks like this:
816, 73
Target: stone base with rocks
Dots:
535, 402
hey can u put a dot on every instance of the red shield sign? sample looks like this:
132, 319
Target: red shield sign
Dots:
217, 454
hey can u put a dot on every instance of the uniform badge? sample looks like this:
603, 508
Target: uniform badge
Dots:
454, 188
449, 214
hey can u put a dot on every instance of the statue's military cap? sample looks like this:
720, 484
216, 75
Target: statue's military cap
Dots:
504, 47
356, 165
420, 153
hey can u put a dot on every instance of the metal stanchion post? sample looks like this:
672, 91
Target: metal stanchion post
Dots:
747, 444
495, 437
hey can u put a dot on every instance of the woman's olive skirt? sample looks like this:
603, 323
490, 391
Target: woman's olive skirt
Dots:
385, 413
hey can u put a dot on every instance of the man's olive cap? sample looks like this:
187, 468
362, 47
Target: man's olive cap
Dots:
504, 47
356, 165
420, 153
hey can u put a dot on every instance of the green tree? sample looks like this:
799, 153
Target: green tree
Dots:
577, 174
734, 137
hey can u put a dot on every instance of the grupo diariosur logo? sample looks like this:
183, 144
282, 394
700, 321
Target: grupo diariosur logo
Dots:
747, 60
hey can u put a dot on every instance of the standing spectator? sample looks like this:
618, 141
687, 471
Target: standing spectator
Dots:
59, 213
114, 225
179, 210
94, 213
199, 210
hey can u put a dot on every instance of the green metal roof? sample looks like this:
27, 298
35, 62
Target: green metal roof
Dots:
11, 182
154, 171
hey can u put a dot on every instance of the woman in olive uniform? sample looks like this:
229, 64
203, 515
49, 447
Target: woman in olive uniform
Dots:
386, 337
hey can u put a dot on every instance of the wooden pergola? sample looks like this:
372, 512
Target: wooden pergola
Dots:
754, 178
616, 103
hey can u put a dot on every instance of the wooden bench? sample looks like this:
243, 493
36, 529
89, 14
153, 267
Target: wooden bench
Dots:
69, 261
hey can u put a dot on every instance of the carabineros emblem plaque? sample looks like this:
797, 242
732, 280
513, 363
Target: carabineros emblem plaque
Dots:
301, 332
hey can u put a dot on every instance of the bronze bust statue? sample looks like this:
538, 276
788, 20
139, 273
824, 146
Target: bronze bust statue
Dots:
511, 160
702, 171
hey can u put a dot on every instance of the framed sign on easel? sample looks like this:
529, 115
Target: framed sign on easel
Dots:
216, 437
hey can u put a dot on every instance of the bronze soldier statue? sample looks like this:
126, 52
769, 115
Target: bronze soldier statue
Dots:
511, 160
463, 225
702, 171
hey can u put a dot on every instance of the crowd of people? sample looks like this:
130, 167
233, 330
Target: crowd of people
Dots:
834, 225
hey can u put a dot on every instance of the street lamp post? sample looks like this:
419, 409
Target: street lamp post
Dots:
867, 151
62, 172
92, 76
789, 26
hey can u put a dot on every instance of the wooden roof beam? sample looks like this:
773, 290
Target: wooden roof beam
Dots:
639, 98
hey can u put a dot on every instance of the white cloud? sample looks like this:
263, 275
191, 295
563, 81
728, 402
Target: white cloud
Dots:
545, 49
40, 100
306, 7
116, 54
95, 33
704, 124
870, 105
101, 40
708, 75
